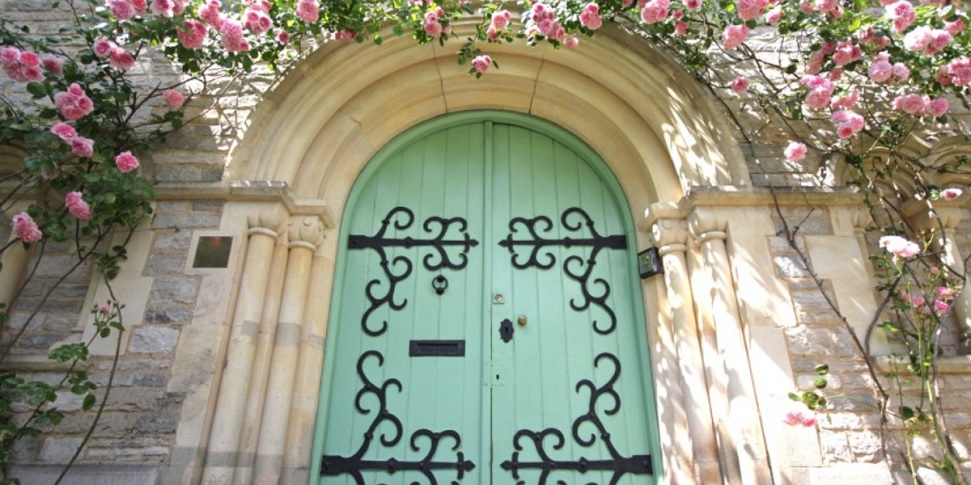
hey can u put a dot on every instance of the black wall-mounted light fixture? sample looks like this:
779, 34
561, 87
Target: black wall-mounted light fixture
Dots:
649, 263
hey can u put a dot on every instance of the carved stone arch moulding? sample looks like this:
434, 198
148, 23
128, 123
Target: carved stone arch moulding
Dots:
343, 103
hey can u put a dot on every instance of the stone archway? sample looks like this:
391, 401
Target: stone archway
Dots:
310, 138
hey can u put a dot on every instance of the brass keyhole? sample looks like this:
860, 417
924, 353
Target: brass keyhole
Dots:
522, 320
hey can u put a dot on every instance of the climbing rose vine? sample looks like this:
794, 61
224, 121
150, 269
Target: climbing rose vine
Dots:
854, 81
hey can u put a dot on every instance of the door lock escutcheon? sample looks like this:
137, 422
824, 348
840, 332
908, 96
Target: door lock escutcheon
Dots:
506, 330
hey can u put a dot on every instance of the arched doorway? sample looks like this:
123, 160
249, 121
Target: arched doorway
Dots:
486, 323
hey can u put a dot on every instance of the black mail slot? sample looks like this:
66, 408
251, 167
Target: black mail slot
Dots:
437, 348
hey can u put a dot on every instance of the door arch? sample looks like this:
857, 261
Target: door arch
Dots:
486, 321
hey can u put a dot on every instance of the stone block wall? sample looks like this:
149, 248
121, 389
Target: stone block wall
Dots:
138, 427
850, 431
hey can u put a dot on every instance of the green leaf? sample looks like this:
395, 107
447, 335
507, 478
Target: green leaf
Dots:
906, 412
820, 383
36, 89
89, 402
822, 369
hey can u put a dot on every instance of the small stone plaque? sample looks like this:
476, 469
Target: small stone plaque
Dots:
212, 252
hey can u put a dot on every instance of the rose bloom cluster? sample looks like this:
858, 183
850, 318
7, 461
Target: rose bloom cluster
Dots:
899, 247
25, 229
76, 205
80, 146
74, 103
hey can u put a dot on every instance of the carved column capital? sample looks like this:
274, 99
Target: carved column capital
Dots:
705, 225
861, 219
671, 235
306, 232
924, 217
268, 221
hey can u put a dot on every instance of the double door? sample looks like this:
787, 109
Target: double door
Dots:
485, 327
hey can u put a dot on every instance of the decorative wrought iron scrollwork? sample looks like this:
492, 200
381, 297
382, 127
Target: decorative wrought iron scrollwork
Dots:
578, 269
354, 465
618, 464
399, 268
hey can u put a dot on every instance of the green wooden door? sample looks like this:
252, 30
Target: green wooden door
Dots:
486, 326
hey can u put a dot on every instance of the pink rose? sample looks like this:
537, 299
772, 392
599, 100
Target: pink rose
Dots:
77, 206
796, 151
163, 8
733, 36
750, 9
899, 247
308, 10
918, 39
25, 228
902, 13
940, 306
590, 16
121, 9
21, 66
950, 193
740, 84
501, 19
655, 11
845, 102
481, 63
693, 4
571, 42
257, 21
64, 131
773, 16
826, 6
345, 35
210, 14
797, 418
52, 64
937, 107
120, 59
173, 98
959, 71
126, 162
955, 27
900, 71
191, 34
939, 40
282, 36
102, 47
73, 103
232, 36
880, 70
912, 104
846, 52
82, 147
9, 55
680, 28
848, 123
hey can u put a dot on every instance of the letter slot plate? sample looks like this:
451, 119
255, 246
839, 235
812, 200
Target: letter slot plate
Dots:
437, 348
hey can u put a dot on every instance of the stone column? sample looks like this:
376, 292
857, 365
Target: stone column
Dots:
732, 363
231, 400
303, 408
671, 235
305, 233
256, 395
14, 261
